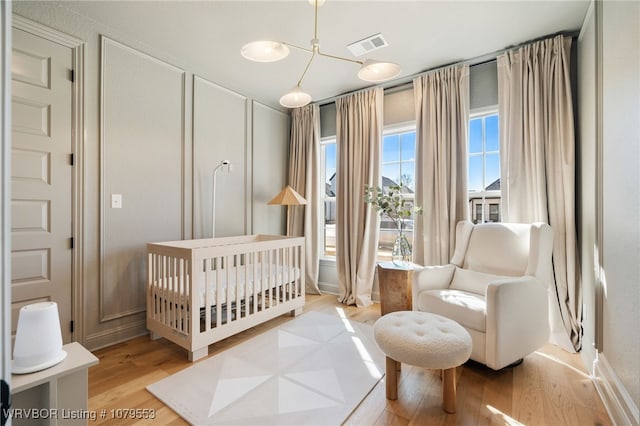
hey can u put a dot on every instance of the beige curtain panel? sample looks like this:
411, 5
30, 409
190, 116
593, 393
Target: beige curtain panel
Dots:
537, 148
442, 117
304, 178
358, 136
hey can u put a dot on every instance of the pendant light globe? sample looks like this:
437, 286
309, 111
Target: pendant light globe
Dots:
377, 71
295, 98
264, 51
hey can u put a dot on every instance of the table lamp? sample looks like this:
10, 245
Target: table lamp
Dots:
288, 197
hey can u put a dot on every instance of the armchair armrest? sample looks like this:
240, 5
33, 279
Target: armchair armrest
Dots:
517, 319
431, 278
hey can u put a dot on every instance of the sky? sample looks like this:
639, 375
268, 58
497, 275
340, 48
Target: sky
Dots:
398, 155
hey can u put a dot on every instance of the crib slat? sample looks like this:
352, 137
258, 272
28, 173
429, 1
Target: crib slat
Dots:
208, 298
218, 266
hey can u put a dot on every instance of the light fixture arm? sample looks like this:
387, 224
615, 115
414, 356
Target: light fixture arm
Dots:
355, 61
313, 56
296, 46
315, 14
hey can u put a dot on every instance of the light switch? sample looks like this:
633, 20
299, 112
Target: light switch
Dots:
116, 201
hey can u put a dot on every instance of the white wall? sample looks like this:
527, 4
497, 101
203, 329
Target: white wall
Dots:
609, 146
270, 164
155, 128
219, 133
621, 192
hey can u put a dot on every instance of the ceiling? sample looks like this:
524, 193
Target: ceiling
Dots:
208, 35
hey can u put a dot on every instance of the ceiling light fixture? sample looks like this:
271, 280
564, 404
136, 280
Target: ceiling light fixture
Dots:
270, 51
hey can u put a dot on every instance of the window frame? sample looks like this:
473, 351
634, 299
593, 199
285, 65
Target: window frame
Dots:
327, 140
390, 130
484, 197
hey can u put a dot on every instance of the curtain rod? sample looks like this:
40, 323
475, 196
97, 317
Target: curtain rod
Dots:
405, 82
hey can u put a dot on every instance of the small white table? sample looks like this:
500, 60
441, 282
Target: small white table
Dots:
57, 395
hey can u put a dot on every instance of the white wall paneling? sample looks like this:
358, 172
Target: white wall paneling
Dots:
270, 165
142, 151
219, 133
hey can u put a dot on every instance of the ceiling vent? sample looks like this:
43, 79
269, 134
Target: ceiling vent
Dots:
367, 45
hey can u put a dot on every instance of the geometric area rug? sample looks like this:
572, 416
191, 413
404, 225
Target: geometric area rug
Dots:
312, 370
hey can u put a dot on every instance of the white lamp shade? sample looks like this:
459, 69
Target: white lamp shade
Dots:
313, 2
296, 98
375, 71
264, 51
38, 343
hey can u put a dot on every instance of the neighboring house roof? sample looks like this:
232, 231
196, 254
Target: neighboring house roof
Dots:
494, 186
329, 190
386, 183
329, 186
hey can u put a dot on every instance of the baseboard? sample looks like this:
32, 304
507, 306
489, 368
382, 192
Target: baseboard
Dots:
332, 288
115, 335
617, 401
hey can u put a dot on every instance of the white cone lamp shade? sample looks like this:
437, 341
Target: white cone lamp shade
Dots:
38, 343
296, 98
264, 51
375, 71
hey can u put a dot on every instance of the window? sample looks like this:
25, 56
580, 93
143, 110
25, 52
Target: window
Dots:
328, 158
484, 168
398, 166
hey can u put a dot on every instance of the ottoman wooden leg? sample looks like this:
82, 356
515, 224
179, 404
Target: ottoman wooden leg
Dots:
449, 390
392, 378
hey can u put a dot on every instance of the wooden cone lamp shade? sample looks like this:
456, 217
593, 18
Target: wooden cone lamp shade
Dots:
287, 197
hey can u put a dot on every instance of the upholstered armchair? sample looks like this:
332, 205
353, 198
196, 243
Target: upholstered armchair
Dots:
496, 287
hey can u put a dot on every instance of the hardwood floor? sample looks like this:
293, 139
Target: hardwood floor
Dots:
551, 387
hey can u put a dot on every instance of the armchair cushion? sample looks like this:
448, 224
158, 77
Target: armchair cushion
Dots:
473, 281
467, 309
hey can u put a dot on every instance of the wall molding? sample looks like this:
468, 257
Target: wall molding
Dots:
614, 396
103, 205
210, 147
45, 32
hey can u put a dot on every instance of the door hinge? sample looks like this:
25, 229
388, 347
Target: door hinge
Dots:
72, 159
72, 75
71, 243
72, 326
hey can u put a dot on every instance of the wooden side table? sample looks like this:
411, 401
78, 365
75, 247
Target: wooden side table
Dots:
395, 287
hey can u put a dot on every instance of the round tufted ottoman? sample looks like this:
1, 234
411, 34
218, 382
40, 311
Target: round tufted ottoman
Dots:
424, 340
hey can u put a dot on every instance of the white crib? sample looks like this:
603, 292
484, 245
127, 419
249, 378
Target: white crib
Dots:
202, 291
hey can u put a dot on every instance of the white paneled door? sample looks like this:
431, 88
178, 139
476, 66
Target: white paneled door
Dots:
41, 175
